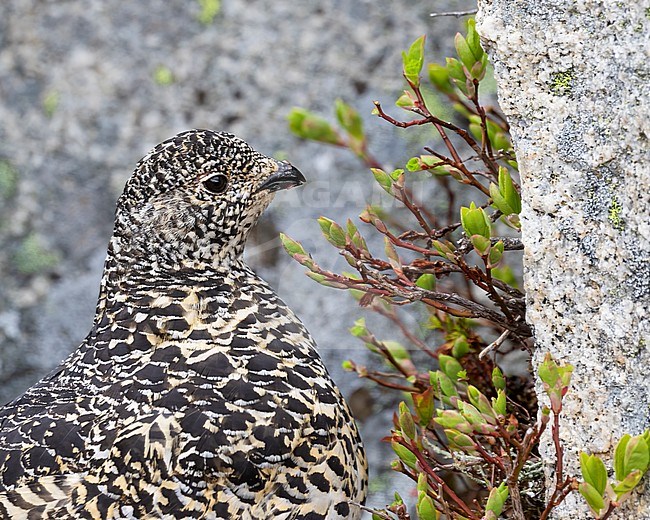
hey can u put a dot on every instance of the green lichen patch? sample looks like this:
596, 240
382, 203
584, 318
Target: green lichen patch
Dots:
209, 9
163, 76
51, 102
8, 180
614, 214
32, 257
562, 83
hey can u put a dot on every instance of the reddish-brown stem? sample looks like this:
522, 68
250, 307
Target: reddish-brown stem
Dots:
459, 164
415, 210
610, 510
440, 125
387, 384
486, 145
429, 471
562, 486
392, 316
395, 122
559, 450
495, 296
495, 461
502, 122
389, 356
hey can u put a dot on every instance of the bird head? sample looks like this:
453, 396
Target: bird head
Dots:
192, 200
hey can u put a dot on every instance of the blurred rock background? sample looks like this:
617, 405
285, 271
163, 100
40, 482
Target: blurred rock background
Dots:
88, 87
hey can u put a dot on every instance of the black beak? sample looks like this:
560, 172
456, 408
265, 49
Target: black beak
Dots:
286, 177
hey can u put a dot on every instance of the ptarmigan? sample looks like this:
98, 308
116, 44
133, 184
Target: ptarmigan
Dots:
197, 393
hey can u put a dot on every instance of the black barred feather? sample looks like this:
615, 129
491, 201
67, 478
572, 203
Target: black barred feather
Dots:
197, 393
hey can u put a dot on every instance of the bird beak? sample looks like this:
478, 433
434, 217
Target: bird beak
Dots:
286, 177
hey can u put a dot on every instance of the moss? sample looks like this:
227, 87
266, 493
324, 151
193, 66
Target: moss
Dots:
209, 9
51, 102
163, 76
562, 83
614, 214
32, 258
8, 180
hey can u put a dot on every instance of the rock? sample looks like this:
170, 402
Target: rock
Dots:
572, 79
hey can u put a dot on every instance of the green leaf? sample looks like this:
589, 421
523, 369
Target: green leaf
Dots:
459, 441
383, 179
627, 484
619, 457
455, 70
476, 130
332, 232
501, 141
406, 423
459, 76
453, 419
423, 484
475, 221
446, 384
307, 125
405, 101
291, 246
592, 496
413, 60
508, 190
481, 244
499, 404
464, 53
439, 77
472, 414
397, 350
413, 164
594, 472
478, 69
425, 405
636, 455
505, 197
498, 380
425, 508
404, 454
497, 499
460, 348
505, 274
473, 40
322, 279
495, 254
359, 329
450, 366
349, 119
347, 365
426, 281
479, 401
555, 380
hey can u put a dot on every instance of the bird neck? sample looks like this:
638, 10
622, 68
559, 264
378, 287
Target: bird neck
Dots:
126, 282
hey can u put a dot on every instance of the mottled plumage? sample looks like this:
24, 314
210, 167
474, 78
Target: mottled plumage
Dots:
197, 393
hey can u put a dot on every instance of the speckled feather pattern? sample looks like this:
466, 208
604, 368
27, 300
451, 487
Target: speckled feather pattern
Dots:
198, 393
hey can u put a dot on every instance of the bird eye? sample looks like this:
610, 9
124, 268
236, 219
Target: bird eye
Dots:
216, 184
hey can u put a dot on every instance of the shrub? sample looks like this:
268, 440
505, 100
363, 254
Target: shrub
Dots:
462, 421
